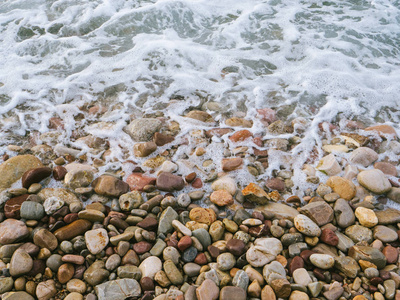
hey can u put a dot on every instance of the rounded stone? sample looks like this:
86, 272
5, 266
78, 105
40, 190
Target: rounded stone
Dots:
322, 261
374, 180
150, 266
226, 261
221, 198
21, 263
32, 210
76, 285
65, 273
306, 226
366, 217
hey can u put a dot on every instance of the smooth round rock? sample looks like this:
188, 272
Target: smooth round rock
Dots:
306, 226
322, 261
150, 266
366, 217
32, 210
226, 261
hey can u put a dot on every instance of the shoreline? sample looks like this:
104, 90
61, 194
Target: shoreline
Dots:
196, 215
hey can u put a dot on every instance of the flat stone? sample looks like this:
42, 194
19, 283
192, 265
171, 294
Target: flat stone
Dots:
63, 194
72, 230
345, 243
347, 265
169, 182
329, 165
45, 239
110, 186
385, 234
320, 212
96, 273
232, 293
230, 164
144, 149
341, 186
129, 271
388, 216
343, 213
165, 221
150, 266
143, 129
35, 175
359, 233
322, 261
208, 290
52, 204
17, 296
12, 208
263, 251
374, 180
301, 276
46, 290
6, 284
32, 210
280, 210
225, 183
91, 215
15, 167
12, 230
383, 130
21, 263
137, 181
174, 275
240, 135
96, 240
363, 156
334, 293
386, 168
65, 273
119, 289
366, 217
306, 226
370, 254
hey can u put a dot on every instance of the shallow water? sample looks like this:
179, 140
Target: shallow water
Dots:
321, 60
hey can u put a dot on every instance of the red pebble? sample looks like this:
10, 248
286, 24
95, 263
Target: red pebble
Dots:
184, 243
329, 237
201, 259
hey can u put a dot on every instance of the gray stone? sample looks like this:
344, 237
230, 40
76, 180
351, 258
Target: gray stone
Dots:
390, 288
226, 261
203, 236
158, 247
344, 214
345, 243
241, 280
184, 200
142, 130
96, 273
369, 254
32, 210
363, 156
118, 289
359, 233
54, 262
113, 262
320, 212
192, 269
296, 248
129, 272
21, 263
385, 234
6, 284
165, 222
374, 180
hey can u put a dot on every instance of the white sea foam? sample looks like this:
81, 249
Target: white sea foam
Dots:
318, 60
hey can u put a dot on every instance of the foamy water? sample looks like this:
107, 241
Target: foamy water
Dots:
321, 60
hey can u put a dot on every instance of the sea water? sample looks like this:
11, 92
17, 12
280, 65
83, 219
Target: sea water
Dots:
324, 61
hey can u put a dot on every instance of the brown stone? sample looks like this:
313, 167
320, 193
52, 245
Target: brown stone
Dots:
320, 212
230, 164
208, 290
391, 254
162, 139
184, 243
34, 176
45, 239
149, 223
296, 263
281, 287
275, 184
12, 169
342, 186
73, 259
197, 183
59, 172
200, 116
72, 230
144, 149
12, 207
386, 168
221, 198
201, 259
203, 215
190, 177
130, 258
218, 132
70, 218
236, 247
256, 194
232, 293
214, 251
38, 267
108, 185
169, 182
240, 135
329, 237
305, 255
12, 230
147, 284
142, 247
383, 130
65, 273
268, 293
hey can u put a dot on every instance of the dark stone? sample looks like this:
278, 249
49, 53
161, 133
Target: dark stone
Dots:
35, 176
169, 182
142, 247
162, 139
236, 247
189, 254
12, 207
149, 223
59, 173
296, 263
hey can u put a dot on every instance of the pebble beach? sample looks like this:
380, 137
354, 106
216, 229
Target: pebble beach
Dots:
171, 223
